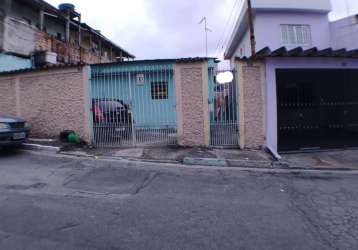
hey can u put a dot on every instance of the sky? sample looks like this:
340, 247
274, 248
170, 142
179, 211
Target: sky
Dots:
154, 29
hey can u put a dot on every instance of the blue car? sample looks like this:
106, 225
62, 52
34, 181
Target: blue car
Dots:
13, 130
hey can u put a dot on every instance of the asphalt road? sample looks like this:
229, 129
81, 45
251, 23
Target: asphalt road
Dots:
68, 203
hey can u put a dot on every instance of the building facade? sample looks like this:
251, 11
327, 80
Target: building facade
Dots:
344, 33
278, 24
299, 91
27, 27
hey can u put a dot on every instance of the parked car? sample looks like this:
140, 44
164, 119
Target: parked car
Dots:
112, 119
13, 130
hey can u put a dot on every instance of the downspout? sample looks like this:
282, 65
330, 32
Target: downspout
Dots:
251, 28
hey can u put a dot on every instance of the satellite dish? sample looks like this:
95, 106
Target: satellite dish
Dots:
225, 77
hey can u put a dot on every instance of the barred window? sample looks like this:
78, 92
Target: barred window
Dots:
296, 34
159, 90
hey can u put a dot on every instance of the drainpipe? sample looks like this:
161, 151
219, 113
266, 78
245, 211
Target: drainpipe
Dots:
41, 19
80, 36
68, 17
68, 23
251, 28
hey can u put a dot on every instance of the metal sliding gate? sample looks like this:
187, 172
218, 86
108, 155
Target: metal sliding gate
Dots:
133, 103
223, 111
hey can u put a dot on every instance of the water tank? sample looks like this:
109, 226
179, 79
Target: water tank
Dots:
66, 6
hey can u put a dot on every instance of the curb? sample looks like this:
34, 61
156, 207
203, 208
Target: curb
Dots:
226, 163
205, 162
42, 148
190, 161
247, 166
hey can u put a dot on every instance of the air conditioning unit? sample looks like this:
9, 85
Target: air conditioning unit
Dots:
42, 58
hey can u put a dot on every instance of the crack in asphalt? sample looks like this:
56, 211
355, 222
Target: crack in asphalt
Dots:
68, 226
38, 185
146, 182
322, 213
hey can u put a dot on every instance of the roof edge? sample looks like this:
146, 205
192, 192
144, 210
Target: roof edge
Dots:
299, 52
48, 67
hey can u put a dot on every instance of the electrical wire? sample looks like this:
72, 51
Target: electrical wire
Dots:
223, 35
230, 26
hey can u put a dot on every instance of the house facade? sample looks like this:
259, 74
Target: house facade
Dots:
299, 91
344, 33
28, 27
282, 23
167, 100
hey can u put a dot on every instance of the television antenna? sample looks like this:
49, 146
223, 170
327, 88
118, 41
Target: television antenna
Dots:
204, 20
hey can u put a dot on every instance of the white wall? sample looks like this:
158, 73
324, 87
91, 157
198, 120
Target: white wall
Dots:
19, 37
244, 46
307, 5
288, 63
345, 33
268, 31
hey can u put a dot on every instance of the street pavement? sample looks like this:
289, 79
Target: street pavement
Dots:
57, 202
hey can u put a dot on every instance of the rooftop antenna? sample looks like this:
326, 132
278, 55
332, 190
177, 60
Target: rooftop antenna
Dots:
206, 33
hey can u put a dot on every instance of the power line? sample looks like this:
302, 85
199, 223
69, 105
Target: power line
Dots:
236, 16
230, 27
226, 26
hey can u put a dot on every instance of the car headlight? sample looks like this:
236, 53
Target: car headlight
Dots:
27, 125
4, 126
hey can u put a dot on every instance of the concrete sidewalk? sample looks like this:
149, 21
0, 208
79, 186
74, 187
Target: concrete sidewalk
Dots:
325, 160
187, 156
329, 160
162, 154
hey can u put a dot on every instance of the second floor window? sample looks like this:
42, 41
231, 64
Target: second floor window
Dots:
294, 34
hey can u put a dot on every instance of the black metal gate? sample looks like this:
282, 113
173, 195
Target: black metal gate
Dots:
317, 108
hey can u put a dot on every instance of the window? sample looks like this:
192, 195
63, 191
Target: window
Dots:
293, 34
159, 90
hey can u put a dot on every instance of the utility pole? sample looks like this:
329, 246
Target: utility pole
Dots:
206, 33
251, 28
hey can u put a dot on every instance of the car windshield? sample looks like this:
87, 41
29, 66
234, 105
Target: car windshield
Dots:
110, 106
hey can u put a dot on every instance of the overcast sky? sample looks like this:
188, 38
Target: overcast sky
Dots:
169, 28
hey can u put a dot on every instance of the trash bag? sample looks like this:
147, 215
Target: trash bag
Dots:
70, 136
74, 138
64, 135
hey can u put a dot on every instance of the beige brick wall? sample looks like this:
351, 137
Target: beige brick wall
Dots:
191, 80
251, 80
8, 96
52, 101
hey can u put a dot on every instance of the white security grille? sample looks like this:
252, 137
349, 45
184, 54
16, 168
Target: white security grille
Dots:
293, 34
132, 104
223, 112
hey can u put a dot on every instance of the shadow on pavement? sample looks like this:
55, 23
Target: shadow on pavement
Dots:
10, 152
